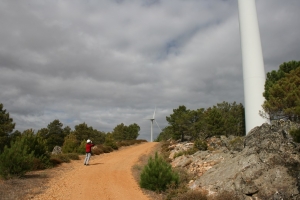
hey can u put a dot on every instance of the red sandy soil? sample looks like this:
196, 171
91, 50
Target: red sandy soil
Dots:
108, 177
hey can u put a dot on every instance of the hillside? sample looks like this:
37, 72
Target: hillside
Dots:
265, 164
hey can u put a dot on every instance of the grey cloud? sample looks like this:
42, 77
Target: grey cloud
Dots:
112, 62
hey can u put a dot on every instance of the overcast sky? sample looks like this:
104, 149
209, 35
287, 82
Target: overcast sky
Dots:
112, 61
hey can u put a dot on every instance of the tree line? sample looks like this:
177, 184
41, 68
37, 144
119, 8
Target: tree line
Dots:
222, 119
55, 134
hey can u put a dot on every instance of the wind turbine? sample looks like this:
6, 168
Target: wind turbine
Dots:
151, 121
253, 64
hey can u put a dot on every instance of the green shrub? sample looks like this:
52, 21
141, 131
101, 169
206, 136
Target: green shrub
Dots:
201, 145
97, 151
102, 149
16, 161
109, 141
61, 157
191, 151
72, 156
107, 149
37, 145
129, 142
173, 190
71, 144
157, 174
295, 133
123, 143
178, 154
55, 161
81, 148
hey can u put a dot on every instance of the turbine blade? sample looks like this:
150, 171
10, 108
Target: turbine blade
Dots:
154, 113
158, 125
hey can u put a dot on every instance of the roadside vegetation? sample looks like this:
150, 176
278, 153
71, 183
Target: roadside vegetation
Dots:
30, 150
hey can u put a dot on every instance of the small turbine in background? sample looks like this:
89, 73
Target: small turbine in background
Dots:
151, 121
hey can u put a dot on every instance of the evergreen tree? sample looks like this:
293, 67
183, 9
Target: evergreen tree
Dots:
158, 174
180, 122
166, 134
119, 132
214, 122
233, 118
274, 76
98, 137
67, 130
83, 132
123, 132
197, 122
284, 97
56, 134
6, 127
14, 136
37, 145
132, 131
16, 160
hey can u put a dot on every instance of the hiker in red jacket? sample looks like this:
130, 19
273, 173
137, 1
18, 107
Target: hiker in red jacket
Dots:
88, 151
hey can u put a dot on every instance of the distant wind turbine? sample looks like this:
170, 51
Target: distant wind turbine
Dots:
151, 121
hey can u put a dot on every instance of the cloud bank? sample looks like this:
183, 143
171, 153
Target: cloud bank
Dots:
111, 62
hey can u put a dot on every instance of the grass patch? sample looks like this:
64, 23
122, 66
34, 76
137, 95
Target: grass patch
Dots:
187, 152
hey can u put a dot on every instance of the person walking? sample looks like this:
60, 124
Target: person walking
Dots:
88, 151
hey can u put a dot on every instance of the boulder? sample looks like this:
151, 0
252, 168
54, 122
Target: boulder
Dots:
56, 150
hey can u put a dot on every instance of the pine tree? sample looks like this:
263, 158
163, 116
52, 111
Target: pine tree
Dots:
36, 144
284, 97
6, 127
158, 174
16, 161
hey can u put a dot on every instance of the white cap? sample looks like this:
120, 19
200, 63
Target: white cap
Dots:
88, 141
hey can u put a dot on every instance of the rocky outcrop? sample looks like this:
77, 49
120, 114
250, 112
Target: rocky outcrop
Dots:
265, 164
56, 150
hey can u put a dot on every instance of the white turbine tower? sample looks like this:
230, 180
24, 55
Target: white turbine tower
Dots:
151, 120
253, 65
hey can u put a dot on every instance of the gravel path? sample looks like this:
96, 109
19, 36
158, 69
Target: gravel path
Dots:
108, 177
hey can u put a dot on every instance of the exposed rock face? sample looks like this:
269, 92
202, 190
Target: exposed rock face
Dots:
265, 164
56, 150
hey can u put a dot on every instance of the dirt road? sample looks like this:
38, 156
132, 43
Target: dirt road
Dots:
108, 177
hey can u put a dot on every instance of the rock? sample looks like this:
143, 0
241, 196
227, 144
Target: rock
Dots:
265, 164
56, 150
179, 147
